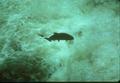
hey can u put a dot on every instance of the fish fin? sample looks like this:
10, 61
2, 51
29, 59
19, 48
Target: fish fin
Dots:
55, 33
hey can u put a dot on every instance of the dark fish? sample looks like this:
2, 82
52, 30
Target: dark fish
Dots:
59, 36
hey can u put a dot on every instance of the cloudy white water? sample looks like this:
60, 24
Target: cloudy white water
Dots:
93, 55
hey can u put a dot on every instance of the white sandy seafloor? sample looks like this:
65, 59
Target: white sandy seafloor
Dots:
93, 55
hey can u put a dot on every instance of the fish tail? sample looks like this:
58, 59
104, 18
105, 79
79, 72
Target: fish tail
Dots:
48, 39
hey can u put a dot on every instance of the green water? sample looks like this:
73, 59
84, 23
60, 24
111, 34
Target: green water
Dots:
93, 54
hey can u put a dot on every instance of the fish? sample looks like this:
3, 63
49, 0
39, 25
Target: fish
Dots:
60, 36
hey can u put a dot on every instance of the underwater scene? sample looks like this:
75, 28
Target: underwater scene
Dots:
59, 40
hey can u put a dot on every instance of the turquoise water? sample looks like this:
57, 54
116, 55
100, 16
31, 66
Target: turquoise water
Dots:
26, 54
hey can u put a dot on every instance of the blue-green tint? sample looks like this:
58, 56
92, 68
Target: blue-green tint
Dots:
59, 40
